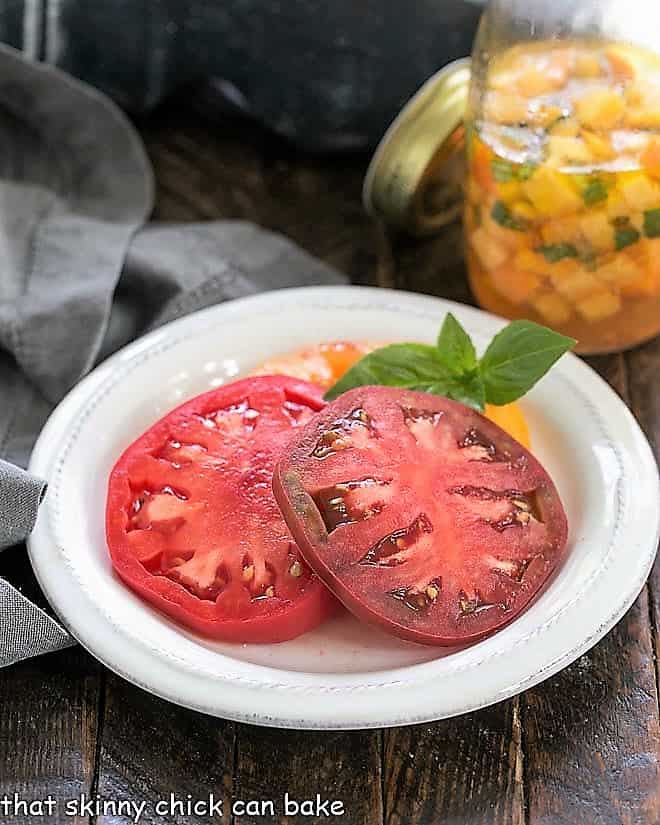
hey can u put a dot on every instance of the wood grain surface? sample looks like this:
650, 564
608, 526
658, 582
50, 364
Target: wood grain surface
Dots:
580, 749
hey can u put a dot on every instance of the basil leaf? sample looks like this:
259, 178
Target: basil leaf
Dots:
504, 171
501, 214
558, 251
397, 365
518, 357
455, 346
625, 236
594, 192
468, 389
652, 223
588, 258
413, 367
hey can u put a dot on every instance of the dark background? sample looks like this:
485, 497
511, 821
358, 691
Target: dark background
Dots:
328, 75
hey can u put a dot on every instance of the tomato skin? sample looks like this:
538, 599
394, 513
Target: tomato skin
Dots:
304, 615
477, 570
264, 620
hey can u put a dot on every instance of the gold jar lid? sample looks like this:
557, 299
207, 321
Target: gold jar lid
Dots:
415, 178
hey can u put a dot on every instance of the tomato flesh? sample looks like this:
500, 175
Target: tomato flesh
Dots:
420, 514
193, 527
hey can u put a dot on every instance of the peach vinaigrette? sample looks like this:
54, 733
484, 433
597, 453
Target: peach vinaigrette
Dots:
562, 215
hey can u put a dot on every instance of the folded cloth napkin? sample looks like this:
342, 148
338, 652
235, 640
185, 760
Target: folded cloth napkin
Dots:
80, 275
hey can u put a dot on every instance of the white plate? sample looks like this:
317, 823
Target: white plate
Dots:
343, 675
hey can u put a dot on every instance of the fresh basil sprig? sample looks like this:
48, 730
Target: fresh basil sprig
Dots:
514, 361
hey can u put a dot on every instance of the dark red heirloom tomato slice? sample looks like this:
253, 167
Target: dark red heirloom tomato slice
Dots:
191, 522
420, 514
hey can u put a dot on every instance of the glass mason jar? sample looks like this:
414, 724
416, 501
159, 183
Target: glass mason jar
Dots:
562, 207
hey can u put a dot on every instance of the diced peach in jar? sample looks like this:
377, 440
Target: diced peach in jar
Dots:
643, 117
597, 307
534, 82
543, 115
530, 261
508, 191
621, 270
587, 64
567, 126
512, 239
523, 211
579, 285
643, 98
502, 107
599, 145
552, 307
639, 192
503, 79
561, 230
645, 286
597, 230
650, 157
617, 207
563, 270
635, 95
515, 284
490, 252
550, 193
600, 108
620, 61
566, 151
648, 281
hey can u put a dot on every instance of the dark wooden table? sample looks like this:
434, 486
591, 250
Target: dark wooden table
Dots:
581, 748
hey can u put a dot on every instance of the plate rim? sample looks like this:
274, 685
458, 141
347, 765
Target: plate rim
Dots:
360, 298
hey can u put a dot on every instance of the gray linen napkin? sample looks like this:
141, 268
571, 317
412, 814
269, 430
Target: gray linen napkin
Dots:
81, 276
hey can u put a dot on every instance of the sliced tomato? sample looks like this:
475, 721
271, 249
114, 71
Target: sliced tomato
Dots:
191, 522
420, 514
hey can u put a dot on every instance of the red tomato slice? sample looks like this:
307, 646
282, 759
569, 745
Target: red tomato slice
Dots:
420, 514
191, 522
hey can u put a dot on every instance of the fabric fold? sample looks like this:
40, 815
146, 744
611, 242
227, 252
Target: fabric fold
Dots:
20, 494
25, 630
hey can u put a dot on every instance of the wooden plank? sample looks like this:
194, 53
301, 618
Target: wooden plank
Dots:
591, 733
463, 770
344, 767
644, 370
48, 725
48, 717
151, 750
